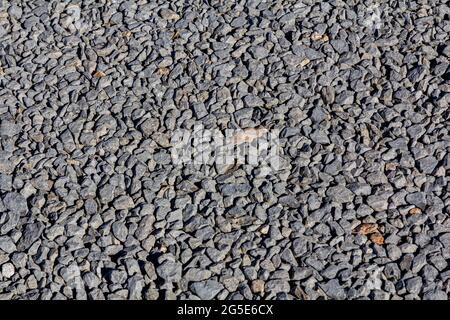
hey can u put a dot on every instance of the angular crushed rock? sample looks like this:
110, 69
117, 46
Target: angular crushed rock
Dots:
93, 207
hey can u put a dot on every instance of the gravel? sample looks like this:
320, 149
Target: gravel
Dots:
206, 290
93, 205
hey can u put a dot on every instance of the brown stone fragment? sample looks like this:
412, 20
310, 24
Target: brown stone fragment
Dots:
415, 211
126, 34
377, 238
305, 62
319, 37
366, 228
163, 71
390, 166
99, 74
248, 135
257, 286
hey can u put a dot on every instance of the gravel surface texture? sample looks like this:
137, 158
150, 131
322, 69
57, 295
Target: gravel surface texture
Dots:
92, 206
